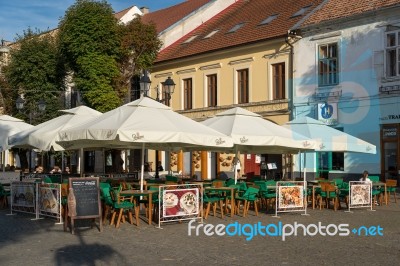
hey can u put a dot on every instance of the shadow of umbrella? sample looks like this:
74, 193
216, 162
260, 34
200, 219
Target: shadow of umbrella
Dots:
88, 254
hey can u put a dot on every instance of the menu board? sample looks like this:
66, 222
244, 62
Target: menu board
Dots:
87, 196
84, 199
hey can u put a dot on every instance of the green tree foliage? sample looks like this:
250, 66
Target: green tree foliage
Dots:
139, 48
90, 41
36, 71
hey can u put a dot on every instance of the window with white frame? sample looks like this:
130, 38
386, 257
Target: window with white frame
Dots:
328, 64
392, 54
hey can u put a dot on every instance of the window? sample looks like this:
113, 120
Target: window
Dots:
210, 34
301, 12
328, 161
243, 85
165, 95
135, 87
190, 39
236, 27
212, 90
268, 19
187, 94
328, 73
392, 54
278, 81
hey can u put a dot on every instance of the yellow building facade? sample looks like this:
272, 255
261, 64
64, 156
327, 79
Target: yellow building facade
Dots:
191, 95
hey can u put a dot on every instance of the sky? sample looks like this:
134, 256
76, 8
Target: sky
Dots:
17, 15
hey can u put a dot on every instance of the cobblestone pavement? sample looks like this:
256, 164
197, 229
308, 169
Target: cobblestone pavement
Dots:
42, 242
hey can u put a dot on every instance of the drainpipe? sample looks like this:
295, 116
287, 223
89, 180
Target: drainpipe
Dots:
290, 83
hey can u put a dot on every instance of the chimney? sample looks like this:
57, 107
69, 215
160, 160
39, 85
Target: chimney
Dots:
145, 10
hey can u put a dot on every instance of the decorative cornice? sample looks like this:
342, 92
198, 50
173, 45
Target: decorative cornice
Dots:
218, 65
161, 75
189, 70
240, 61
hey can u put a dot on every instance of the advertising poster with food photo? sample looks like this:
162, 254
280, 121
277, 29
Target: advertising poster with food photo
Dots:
180, 202
290, 197
23, 194
48, 200
360, 194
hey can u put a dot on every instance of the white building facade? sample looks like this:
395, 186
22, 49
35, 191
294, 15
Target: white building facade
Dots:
351, 66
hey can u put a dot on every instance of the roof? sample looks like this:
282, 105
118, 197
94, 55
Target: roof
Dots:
118, 15
336, 9
166, 17
251, 14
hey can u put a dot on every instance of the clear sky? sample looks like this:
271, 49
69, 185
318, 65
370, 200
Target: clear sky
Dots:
17, 15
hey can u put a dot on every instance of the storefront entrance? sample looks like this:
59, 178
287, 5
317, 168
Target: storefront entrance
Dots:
390, 143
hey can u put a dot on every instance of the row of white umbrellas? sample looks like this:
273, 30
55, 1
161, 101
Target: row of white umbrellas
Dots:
146, 123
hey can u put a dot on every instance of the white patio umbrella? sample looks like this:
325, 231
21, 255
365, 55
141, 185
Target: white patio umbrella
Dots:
253, 134
144, 123
328, 138
45, 135
9, 126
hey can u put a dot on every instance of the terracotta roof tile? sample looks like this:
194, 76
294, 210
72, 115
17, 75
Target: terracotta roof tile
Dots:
336, 9
249, 12
166, 17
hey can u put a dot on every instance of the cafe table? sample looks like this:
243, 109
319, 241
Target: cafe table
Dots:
226, 189
138, 193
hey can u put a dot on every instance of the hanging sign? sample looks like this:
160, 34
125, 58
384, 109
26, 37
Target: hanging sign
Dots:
327, 113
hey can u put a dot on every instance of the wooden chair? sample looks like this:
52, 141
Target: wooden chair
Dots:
218, 183
391, 187
250, 196
212, 200
328, 193
106, 200
122, 204
3, 197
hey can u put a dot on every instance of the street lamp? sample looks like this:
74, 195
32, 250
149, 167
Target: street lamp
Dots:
168, 89
145, 83
19, 103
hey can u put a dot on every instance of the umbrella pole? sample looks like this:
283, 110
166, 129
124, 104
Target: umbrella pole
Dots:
3, 161
237, 154
62, 161
81, 162
142, 169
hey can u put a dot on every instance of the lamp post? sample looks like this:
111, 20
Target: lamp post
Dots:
168, 89
41, 105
